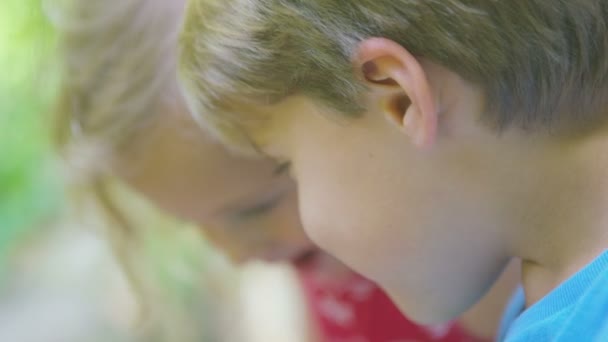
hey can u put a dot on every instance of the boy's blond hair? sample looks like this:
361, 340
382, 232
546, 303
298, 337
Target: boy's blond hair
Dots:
541, 63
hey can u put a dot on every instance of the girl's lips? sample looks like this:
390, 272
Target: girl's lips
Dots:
305, 259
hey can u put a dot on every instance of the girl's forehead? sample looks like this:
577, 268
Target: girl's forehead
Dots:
175, 162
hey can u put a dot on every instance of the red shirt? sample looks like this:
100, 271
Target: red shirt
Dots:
357, 310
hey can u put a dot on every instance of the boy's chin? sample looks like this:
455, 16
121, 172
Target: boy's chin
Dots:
425, 315
426, 311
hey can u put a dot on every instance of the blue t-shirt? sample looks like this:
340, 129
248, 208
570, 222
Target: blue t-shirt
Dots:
577, 310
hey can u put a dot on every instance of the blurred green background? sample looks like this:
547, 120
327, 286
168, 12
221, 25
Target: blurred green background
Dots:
29, 191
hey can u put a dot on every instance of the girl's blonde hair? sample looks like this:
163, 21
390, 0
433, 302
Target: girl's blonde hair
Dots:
119, 60
119, 74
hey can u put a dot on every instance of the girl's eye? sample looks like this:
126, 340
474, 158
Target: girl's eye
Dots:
258, 209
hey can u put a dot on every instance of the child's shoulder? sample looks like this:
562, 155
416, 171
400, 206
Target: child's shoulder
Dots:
575, 311
589, 317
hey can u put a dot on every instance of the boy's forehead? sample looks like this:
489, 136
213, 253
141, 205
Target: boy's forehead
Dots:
263, 129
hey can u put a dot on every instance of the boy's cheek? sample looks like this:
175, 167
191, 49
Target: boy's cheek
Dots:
337, 227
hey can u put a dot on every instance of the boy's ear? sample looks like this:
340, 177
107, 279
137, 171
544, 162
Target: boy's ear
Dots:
400, 88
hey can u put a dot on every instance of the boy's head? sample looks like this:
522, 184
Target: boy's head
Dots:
431, 140
123, 113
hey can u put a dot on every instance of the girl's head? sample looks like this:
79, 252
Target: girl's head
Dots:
122, 111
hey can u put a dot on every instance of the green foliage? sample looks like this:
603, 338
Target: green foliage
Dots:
28, 190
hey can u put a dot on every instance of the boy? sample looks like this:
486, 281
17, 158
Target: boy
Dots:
432, 141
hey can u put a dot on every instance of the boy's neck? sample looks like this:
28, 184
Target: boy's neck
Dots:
575, 231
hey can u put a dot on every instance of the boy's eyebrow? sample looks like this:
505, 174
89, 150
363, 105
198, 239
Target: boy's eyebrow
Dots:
281, 168
252, 144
